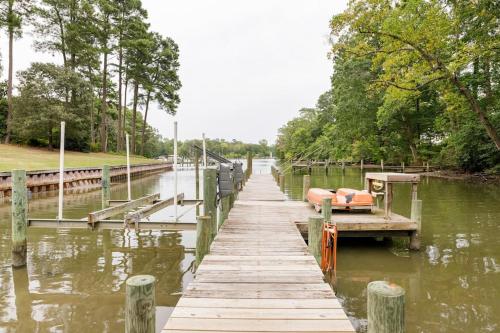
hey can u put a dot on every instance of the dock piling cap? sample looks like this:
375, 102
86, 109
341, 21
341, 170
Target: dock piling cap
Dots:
386, 289
140, 280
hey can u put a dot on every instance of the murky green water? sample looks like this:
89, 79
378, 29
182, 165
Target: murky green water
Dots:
453, 283
75, 278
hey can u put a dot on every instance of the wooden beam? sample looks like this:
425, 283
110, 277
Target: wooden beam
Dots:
121, 208
137, 216
109, 224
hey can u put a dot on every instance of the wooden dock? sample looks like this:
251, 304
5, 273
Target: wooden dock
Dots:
259, 275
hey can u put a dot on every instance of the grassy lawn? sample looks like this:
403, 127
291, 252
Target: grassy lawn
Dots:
27, 158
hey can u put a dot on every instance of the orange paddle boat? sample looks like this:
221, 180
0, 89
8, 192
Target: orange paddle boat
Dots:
342, 199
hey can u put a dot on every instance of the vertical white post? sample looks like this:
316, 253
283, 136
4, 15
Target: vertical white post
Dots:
129, 194
61, 172
175, 170
204, 152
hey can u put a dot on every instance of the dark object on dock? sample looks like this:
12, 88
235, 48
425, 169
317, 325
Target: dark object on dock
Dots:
386, 308
212, 155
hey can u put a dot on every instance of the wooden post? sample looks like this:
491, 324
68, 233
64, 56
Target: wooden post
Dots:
249, 163
361, 165
416, 216
403, 166
106, 186
386, 308
314, 236
382, 165
326, 209
343, 166
203, 237
225, 208
427, 167
282, 183
197, 179
140, 311
19, 218
306, 185
209, 197
388, 200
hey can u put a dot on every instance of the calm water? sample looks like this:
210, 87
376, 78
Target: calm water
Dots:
75, 278
453, 283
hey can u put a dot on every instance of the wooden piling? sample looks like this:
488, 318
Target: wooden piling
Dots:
282, 182
19, 218
382, 165
249, 164
306, 185
326, 209
224, 210
416, 216
140, 310
209, 196
402, 166
386, 308
314, 236
203, 237
361, 164
106, 186
427, 167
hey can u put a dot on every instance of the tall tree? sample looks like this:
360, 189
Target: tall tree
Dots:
127, 9
12, 13
162, 82
107, 9
136, 48
421, 42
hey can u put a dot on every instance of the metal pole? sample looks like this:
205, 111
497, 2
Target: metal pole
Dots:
204, 152
175, 169
61, 172
128, 168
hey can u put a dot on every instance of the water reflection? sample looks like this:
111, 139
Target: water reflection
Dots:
453, 284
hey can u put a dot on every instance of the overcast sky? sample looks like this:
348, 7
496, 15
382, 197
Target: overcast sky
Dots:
247, 67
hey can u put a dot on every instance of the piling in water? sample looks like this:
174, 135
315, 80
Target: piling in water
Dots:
19, 218
386, 308
203, 237
416, 216
140, 311
306, 184
106, 186
326, 209
209, 197
314, 235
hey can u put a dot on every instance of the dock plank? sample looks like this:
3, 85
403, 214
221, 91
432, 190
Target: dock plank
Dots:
259, 275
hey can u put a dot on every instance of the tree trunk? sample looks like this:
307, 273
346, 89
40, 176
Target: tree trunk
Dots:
134, 115
143, 137
119, 131
478, 110
124, 108
104, 104
9, 79
51, 137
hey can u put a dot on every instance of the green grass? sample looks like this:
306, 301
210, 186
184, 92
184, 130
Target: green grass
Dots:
28, 158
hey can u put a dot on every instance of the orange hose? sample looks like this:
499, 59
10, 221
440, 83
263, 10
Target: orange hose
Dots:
329, 254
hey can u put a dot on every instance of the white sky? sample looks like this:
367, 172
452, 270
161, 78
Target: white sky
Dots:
247, 67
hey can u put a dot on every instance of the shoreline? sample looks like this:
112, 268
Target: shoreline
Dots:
464, 176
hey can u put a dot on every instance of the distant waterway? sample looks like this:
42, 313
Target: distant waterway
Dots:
75, 279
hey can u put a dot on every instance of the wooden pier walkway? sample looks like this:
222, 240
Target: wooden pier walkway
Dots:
259, 275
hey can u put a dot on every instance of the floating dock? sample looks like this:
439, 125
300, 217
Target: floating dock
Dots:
259, 275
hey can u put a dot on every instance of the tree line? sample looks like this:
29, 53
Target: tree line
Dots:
112, 66
233, 149
413, 81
